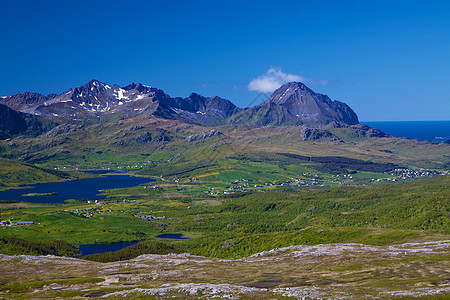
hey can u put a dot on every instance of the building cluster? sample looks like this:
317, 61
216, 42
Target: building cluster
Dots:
84, 213
112, 165
154, 187
401, 173
149, 218
307, 181
412, 173
98, 209
234, 187
243, 185
12, 223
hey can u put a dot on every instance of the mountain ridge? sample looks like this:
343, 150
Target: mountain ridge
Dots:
292, 104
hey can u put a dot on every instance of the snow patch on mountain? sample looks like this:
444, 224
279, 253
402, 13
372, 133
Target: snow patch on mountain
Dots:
120, 95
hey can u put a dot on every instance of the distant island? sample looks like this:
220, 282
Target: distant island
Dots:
39, 194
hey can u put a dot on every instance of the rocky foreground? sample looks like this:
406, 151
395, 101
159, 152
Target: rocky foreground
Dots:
335, 271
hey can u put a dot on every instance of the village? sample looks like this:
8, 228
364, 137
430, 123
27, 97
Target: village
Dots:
411, 173
237, 186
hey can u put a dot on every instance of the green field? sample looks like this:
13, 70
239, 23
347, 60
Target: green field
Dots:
243, 223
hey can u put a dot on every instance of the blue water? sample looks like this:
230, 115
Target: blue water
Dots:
87, 188
435, 131
87, 249
177, 236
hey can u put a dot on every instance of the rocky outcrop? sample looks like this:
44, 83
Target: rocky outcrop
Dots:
161, 138
62, 129
202, 136
367, 131
143, 137
315, 134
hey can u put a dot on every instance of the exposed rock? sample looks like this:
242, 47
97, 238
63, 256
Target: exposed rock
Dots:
133, 128
62, 129
265, 275
174, 157
53, 142
315, 134
143, 137
373, 132
227, 244
161, 138
365, 130
121, 142
336, 124
202, 136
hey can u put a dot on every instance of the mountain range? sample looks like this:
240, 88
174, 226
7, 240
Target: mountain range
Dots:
102, 124
97, 102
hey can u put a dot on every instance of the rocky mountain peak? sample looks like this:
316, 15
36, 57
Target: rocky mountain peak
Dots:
23, 100
138, 87
289, 92
314, 108
94, 82
296, 104
92, 88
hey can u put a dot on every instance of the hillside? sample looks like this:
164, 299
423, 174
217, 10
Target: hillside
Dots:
14, 123
13, 173
143, 138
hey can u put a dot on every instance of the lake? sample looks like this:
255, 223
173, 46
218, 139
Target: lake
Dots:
86, 188
87, 249
177, 236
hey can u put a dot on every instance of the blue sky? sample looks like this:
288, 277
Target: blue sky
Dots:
389, 60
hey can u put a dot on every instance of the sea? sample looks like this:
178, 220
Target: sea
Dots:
435, 131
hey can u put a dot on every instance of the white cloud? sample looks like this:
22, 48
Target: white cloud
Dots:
274, 78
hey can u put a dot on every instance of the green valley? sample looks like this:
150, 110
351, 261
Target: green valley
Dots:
333, 209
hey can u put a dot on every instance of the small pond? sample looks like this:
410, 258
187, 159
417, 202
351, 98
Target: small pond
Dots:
86, 188
177, 236
87, 249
